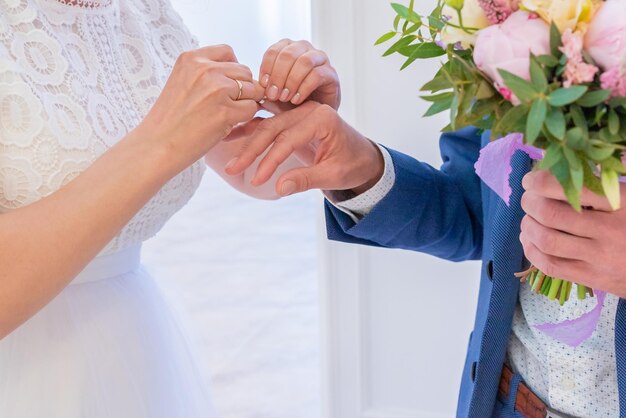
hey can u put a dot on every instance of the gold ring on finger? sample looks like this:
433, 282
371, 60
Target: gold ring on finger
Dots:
240, 84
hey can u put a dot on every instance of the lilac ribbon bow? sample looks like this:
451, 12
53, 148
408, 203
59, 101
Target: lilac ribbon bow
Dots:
494, 168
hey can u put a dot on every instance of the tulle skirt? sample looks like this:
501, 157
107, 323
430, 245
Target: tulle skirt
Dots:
106, 347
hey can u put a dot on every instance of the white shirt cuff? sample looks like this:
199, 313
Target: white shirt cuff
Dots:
361, 205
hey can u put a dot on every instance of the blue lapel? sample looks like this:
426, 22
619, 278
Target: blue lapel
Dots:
508, 259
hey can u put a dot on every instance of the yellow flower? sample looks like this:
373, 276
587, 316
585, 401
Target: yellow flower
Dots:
566, 14
474, 18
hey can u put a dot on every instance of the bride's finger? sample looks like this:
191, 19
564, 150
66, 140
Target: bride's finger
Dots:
249, 91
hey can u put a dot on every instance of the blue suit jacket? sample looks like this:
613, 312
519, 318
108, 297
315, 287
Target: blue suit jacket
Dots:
450, 214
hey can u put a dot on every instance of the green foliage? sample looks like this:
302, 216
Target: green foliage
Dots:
581, 128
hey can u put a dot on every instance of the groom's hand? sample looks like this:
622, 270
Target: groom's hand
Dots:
340, 157
293, 72
586, 247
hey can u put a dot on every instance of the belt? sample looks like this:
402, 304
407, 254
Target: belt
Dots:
110, 265
526, 402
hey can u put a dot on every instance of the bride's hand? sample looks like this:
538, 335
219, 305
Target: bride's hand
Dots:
293, 72
202, 103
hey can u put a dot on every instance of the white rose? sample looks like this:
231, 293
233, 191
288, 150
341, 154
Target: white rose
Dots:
473, 17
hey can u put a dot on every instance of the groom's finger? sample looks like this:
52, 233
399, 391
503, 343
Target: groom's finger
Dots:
302, 179
269, 59
265, 135
289, 140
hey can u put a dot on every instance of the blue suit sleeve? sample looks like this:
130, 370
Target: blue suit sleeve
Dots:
438, 212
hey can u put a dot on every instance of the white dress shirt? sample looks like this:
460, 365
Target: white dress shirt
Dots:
579, 381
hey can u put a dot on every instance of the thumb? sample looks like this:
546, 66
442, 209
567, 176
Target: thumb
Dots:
302, 179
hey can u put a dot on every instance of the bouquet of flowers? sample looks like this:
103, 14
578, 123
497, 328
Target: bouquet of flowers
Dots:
547, 77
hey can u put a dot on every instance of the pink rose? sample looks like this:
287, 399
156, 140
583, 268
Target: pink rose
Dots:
508, 46
605, 39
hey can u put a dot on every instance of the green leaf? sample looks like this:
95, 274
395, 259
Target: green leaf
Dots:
436, 23
565, 96
562, 173
591, 180
438, 97
440, 82
512, 120
555, 40
611, 187
454, 109
386, 37
575, 139
405, 13
578, 117
613, 122
411, 29
536, 117
572, 158
548, 61
422, 51
403, 42
594, 98
553, 155
396, 22
439, 106
599, 153
523, 89
538, 76
615, 165
555, 122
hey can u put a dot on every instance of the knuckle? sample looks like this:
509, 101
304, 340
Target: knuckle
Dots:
550, 267
546, 242
307, 60
268, 125
305, 182
282, 138
186, 58
305, 43
225, 49
546, 212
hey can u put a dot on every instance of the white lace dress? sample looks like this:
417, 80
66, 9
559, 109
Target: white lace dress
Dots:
74, 79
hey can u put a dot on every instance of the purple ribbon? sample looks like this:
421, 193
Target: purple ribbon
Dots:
494, 168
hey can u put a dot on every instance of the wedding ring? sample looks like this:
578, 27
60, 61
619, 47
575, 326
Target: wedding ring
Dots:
240, 84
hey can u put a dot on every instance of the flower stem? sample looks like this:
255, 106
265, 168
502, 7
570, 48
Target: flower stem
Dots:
554, 288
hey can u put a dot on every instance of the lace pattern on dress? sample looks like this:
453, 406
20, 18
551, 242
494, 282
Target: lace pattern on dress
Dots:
75, 77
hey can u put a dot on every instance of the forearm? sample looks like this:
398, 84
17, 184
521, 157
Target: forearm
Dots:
426, 210
48, 243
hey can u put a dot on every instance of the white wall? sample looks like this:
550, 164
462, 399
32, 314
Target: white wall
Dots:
395, 324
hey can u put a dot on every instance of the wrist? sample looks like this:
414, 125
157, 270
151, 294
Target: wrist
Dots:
375, 166
161, 156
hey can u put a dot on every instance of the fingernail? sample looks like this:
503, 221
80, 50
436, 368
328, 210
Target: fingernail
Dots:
273, 93
265, 80
284, 96
231, 164
296, 99
288, 188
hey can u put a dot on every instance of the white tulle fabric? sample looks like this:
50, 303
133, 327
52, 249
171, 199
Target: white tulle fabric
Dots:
75, 77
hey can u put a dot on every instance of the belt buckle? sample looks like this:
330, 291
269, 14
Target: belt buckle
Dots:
551, 413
